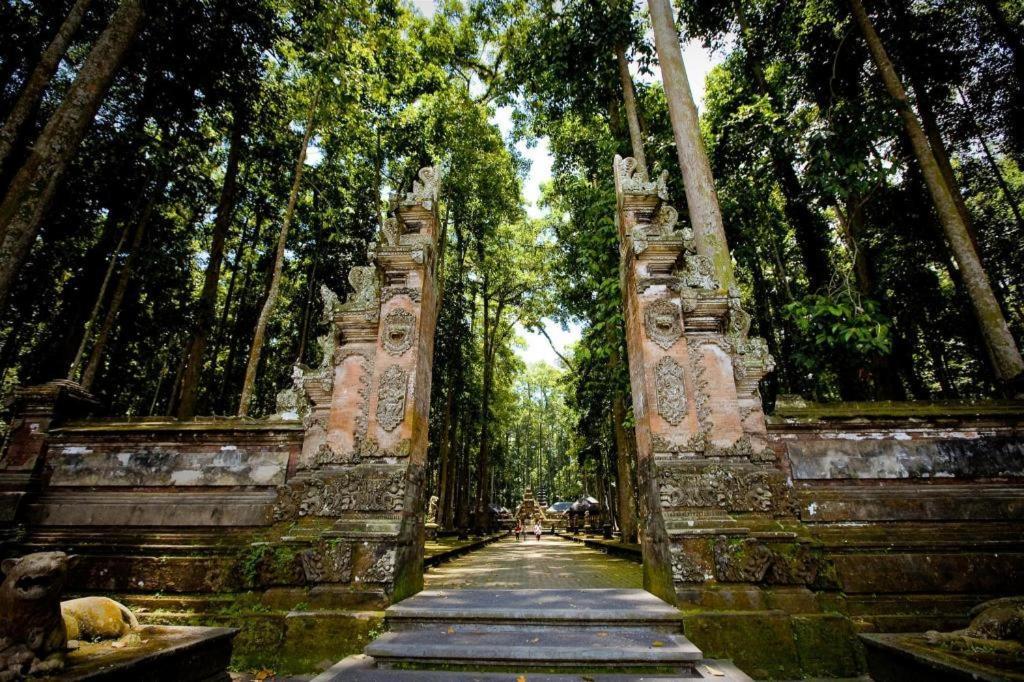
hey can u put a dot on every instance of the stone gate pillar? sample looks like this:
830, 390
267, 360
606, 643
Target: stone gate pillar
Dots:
363, 458
700, 428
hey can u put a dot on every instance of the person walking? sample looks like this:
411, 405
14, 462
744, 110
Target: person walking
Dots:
519, 530
537, 530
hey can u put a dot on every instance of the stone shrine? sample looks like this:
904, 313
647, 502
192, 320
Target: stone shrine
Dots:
529, 511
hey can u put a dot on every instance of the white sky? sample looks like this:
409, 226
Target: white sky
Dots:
536, 348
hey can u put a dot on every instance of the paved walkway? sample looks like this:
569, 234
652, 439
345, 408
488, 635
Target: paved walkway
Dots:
548, 564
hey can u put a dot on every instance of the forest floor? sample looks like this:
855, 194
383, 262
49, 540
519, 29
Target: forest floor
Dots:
550, 563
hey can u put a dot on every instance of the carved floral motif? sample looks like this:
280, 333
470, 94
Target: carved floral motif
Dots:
394, 384
669, 389
327, 562
359, 489
715, 485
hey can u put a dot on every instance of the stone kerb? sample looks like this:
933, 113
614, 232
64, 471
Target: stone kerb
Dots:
694, 372
363, 457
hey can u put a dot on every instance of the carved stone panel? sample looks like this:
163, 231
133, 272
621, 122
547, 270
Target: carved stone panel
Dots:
663, 323
399, 330
327, 562
360, 489
391, 393
671, 395
730, 488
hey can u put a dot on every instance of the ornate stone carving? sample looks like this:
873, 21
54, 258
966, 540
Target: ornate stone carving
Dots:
727, 487
390, 292
383, 568
327, 562
360, 489
366, 289
684, 569
425, 190
669, 389
661, 228
663, 323
394, 384
630, 183
749, 560
331, 303
390, 230
698, 272
700, 385
399, 330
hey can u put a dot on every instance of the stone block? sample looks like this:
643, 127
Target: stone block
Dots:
827, 646
761, 643
314, 640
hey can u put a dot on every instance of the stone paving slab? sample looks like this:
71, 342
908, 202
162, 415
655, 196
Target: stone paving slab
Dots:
607, 647
574, 606
361, 669
552, 562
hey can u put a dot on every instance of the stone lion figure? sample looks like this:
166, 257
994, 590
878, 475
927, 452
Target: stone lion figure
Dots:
35, 626
998, 619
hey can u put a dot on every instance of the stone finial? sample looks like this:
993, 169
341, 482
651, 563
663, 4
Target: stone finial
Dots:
627, 181
331, 304
366, 288
391, 231
426, 189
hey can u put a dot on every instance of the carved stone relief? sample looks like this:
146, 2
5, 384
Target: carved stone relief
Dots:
366, 289
358, 489
715, 485
327, 562
399, 330
383, 568
425, 190
698, 272
748, 560
669, 389
390, 292
663, 324
394, 384
631, 182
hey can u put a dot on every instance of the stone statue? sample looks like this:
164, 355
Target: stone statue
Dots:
32, 635
432, 509
998, 620
366, 292
35, 626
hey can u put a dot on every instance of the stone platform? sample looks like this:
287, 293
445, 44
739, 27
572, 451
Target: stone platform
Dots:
160, 654
560, 632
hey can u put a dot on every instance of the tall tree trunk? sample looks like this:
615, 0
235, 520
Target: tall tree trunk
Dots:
484, 454
636, 138
206, 306
444, 450
100, 346
1001, 346
98, 305
40, 77
229, 297
32, 187
993, 165
701, 199
624, 455
810, 229
259, 336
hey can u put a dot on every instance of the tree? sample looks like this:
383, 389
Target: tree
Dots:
33, 186
40, 77
1003, 349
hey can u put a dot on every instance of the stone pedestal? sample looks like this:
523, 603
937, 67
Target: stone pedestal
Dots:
364, 453
700, 428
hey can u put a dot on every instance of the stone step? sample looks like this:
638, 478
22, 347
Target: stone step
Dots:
489, 647
607, 608
362, 668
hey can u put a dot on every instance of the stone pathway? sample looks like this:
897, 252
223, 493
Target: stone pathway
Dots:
551, 563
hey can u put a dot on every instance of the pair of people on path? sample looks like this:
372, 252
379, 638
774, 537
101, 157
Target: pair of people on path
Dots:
537, 530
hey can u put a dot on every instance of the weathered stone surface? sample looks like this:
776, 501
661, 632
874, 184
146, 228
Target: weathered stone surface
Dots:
857, 455
161, 465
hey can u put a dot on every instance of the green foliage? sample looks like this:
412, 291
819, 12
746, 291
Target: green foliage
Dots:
838, 324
